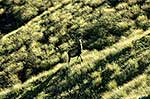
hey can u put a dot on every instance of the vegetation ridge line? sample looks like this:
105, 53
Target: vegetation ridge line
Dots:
49, 10
129, 84
29, 81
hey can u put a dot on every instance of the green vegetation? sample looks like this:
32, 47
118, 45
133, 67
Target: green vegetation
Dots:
35, 36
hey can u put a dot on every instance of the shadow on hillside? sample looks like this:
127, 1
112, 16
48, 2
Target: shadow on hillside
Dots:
39, 88
144, 97
12, 19
98, 37
8, 19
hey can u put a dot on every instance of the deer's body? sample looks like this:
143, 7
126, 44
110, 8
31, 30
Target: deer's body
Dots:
75, 51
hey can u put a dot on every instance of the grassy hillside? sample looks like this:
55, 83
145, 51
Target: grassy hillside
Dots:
35, 36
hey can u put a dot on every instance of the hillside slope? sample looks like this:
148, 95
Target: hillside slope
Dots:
35, 36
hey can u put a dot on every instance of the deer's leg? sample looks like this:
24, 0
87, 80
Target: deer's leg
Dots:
68, 59
80, 58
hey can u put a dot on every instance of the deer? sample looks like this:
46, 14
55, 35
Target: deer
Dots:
75, 51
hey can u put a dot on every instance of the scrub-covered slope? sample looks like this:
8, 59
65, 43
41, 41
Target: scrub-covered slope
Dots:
35, 36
